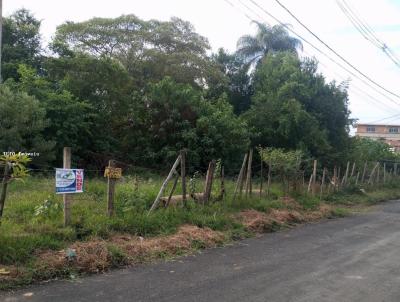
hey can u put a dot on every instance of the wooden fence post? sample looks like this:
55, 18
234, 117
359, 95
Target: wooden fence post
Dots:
209, 181
269, 178
353, 170
248, 185
165, 183
364, 172
183, 176
335, 179
378, 174
371, 176
314, 185
310, 183
110, 190
384, 173
322, 183
67, 197
4, 185
240, 177
346, 175
172, 190
222, 192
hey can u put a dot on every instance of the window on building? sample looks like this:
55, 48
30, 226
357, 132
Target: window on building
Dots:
393, 130
370, 129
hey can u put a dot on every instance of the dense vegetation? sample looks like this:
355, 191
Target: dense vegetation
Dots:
142, 90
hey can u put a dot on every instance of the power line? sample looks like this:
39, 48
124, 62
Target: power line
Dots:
353, 88
334, 51
321, 52
360, 91
367, 32
357, 90
234, 6
386, 118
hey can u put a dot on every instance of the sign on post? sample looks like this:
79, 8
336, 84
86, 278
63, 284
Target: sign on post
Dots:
112, 172
69, 181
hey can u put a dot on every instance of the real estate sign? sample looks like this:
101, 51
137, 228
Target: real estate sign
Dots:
69, 181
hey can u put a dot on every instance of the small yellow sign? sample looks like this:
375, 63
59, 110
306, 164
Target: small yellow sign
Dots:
111, 172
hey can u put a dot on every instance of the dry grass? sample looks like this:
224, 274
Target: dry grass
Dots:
258, 222
96, 256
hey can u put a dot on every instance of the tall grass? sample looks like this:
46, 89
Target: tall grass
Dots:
33, 215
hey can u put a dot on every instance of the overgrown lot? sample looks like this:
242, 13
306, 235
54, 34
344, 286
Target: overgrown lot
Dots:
34, 245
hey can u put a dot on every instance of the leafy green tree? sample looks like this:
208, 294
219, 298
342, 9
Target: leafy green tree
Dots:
149, 50
294, 108
173, 116
70, 121
239, 88
105, 89
14, 169
21, 43
22, 121
367, 150
268, 39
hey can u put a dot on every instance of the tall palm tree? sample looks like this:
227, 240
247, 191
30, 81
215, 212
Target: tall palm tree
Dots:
267, 39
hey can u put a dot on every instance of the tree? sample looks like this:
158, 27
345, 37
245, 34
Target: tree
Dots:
70, 122
294, 108
14, 168
21, 43
22, 121
367, 150
239, 88
149, 50
172, 116
267, 39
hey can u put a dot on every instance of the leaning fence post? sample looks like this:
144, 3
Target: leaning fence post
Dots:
364, 172
183, 176
346, 175
240, 177
314, 178
322, 183
384, 173
172, 190
353, 170
164, 185
209, 181
371, 176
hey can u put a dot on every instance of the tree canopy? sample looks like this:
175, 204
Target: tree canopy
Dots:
140, 91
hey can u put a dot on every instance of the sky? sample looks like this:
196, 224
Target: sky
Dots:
224, 21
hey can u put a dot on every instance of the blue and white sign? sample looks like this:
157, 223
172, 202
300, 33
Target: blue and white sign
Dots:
69, 181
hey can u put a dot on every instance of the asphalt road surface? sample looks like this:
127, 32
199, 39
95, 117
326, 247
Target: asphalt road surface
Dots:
355, 258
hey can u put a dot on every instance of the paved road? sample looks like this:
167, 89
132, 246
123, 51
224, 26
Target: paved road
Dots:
350, 259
